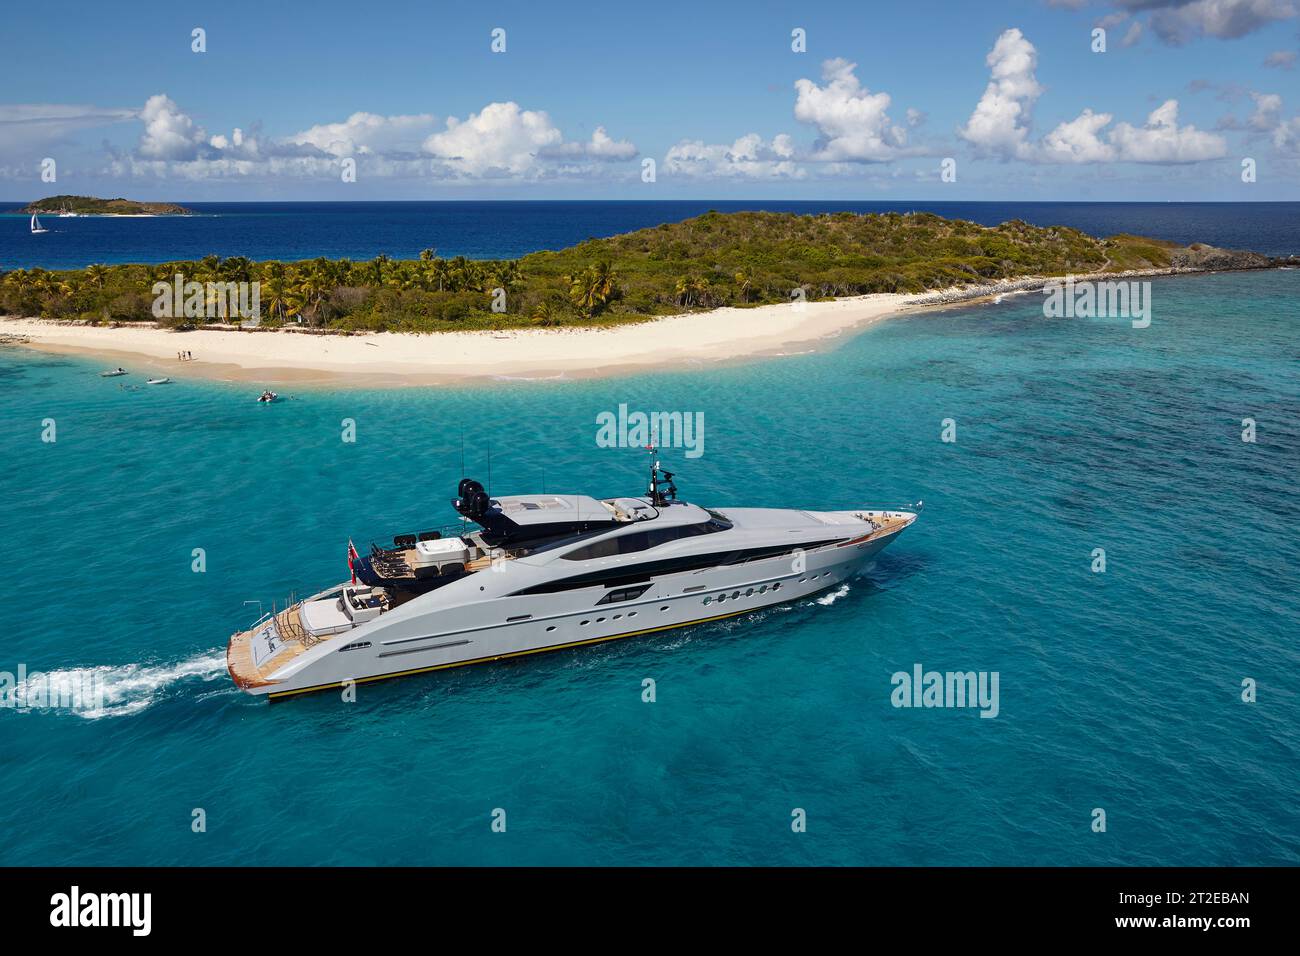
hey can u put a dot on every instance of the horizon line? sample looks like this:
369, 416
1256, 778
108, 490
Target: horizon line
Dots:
1023, 202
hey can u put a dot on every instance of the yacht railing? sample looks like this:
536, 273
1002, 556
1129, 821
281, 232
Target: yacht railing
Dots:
289, 630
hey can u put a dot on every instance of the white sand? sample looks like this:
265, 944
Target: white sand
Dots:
680, 341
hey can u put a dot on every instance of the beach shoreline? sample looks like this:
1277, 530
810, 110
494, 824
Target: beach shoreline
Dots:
686, 341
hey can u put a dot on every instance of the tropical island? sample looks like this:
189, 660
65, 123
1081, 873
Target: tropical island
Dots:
712, 288
736, 259
90, 206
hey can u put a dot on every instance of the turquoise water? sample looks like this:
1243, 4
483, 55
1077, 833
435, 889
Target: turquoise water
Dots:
1118, 690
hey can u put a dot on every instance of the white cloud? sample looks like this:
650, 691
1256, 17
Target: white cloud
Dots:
1267, 108
25, 127
367, 134
1281, 59
500, 140
1177, 21
601, 146
1078, 141
1001, 123
852, 121
1162, 140
168, 133
1287, 134
747, 158
503, 141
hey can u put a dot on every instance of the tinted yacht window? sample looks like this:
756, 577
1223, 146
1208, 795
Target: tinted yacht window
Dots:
643, 540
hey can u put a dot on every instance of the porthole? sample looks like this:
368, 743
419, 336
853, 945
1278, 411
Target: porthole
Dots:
776, 586
551, 628
600, 620
735, 595
803, 580
762, 589
665, 607
583, 623
631, 613
617, 616
749, 593
707, 600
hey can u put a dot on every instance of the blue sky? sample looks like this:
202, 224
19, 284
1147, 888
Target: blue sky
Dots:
712, 93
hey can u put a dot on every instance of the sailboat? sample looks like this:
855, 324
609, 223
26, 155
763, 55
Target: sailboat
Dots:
36, 225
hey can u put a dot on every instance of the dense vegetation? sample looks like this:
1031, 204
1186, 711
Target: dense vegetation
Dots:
708, 261
89, 205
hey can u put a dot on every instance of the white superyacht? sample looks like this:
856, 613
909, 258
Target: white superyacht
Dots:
550, 571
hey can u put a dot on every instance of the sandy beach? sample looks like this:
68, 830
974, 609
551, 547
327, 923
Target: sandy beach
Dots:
396, 359
393, 359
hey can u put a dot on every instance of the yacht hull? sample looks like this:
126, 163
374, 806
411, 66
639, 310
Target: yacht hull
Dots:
458, 635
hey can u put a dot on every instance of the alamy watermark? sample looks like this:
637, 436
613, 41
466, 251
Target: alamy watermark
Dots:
1101, 300
922, 688
67, 690
624, 429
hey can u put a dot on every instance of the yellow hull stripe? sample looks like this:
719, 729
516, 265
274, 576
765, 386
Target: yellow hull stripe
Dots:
499, 657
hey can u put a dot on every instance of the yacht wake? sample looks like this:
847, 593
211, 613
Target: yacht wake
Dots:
832, 596
114, 690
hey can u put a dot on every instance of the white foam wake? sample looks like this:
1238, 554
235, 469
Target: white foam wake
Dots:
117, 690
832, 596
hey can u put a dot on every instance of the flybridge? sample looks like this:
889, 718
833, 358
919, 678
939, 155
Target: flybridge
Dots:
514, 519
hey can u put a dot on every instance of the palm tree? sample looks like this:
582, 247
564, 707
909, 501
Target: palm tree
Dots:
438, 272
312, 290
593, 288
544, 313
604, 278
504, 275
581, 291
236, 269
461, 275
208, 268
745, 281
275, 296
692, 290
96, 274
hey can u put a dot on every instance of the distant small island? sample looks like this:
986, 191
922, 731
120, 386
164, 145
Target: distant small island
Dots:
90, 206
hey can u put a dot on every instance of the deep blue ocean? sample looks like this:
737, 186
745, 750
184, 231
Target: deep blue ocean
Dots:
488, 230
1119, 690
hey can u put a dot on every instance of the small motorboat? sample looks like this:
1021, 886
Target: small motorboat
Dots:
159, 381
267, 397
112, 373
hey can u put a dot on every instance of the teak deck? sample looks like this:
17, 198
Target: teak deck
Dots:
239, 653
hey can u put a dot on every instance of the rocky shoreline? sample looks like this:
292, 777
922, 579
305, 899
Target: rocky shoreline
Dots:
1191, 260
